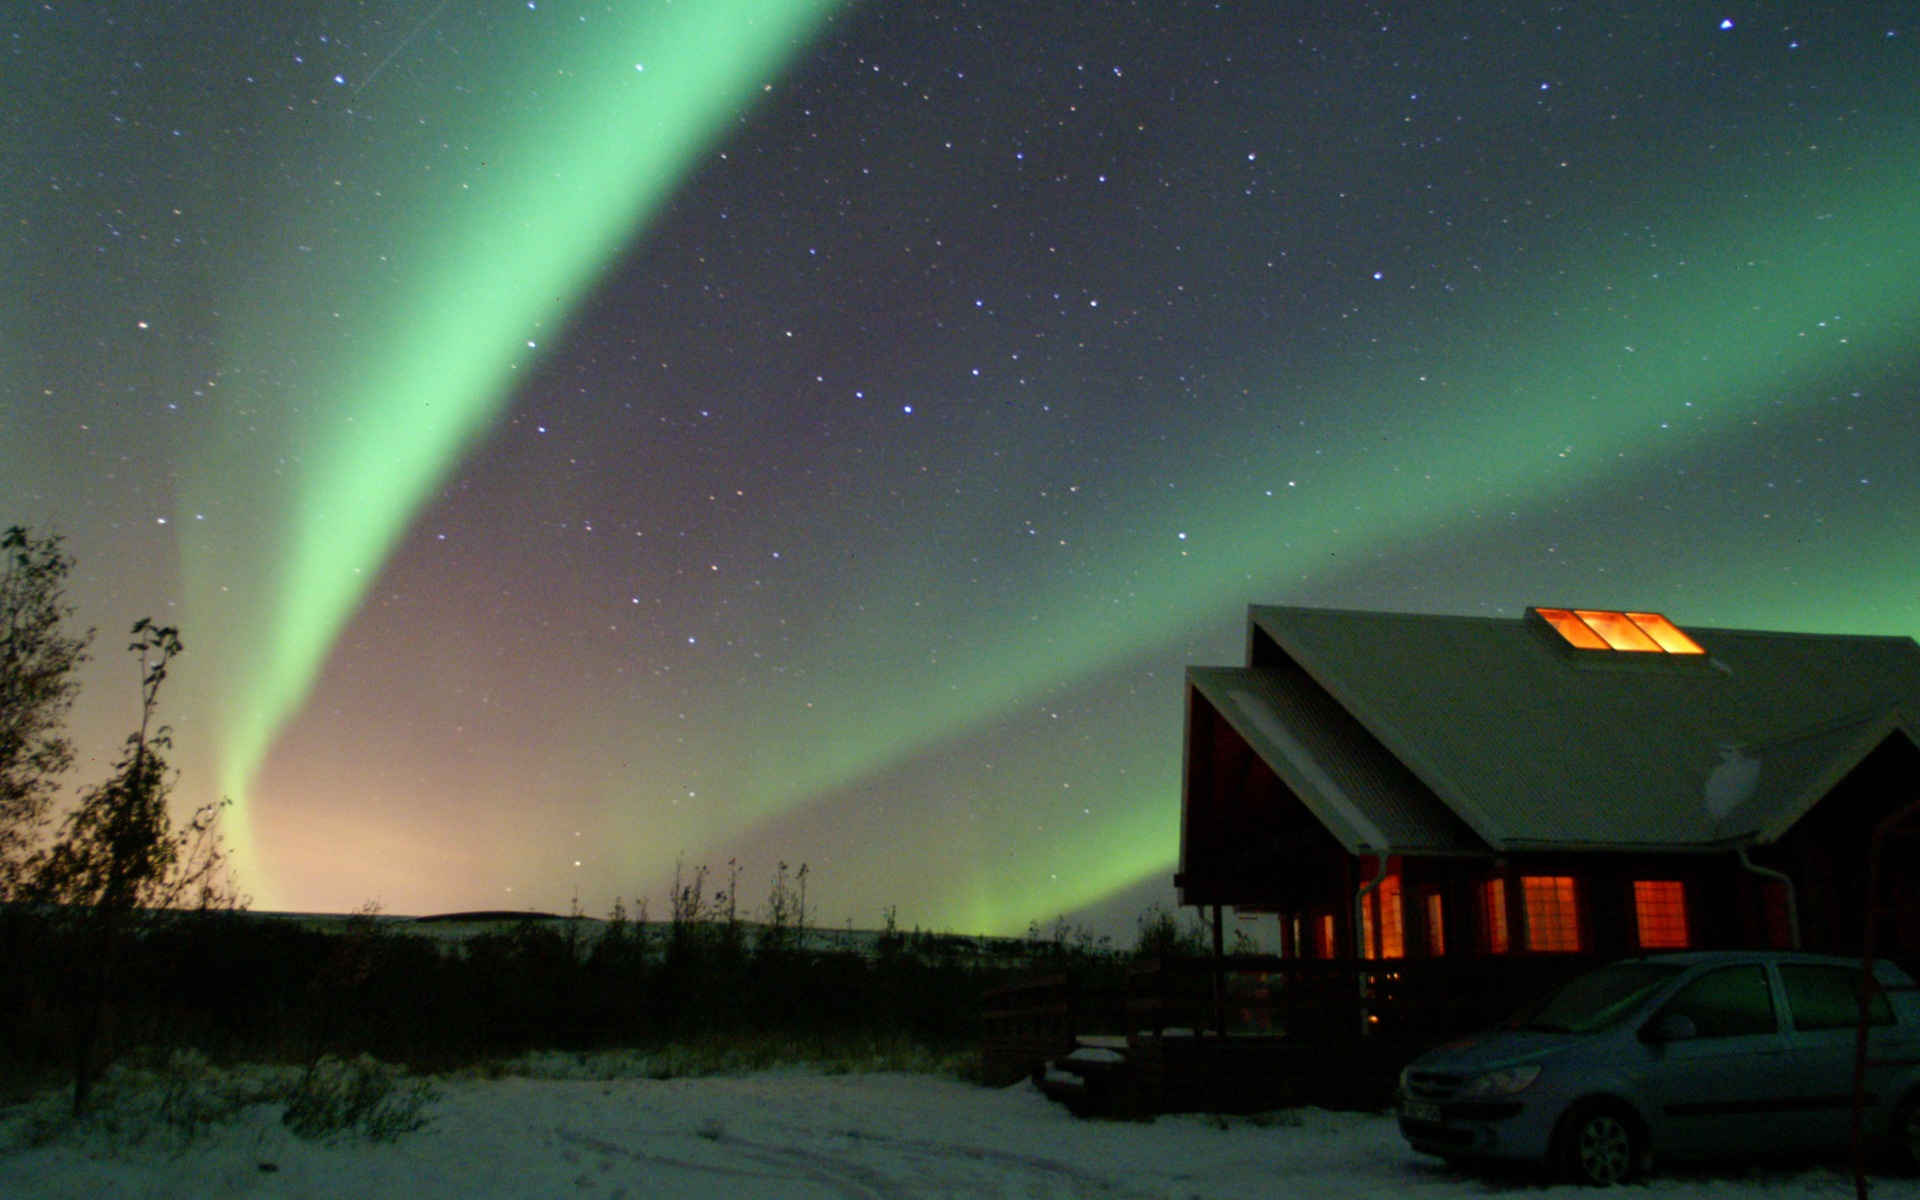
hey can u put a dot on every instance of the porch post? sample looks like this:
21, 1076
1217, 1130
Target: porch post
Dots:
1219, 972
1785, 880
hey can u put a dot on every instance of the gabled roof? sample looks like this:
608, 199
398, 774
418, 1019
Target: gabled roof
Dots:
1362, 795
1393, 721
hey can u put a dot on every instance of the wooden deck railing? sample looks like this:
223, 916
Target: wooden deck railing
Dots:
1303, 999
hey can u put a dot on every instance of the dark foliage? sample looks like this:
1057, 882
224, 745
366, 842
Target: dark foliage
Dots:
39, 657
1159, 934
241, 986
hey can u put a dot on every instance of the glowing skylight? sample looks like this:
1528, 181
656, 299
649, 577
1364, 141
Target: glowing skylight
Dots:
1634, 632
1572, 628
1666, 633
1619, 632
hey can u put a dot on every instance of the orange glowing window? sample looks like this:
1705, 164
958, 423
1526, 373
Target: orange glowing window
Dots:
1618, 632
1383, 922
1436, 927
1393, 928
1665, 634
1553, 919
1323, 936
1493, 916
1660, 910
1572, 628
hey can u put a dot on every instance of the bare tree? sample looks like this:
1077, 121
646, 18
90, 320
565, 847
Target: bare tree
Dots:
39, 657
119, 866
783, 922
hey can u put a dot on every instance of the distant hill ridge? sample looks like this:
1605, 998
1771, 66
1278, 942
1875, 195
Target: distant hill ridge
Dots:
494, 914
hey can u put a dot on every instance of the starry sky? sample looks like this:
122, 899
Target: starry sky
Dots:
576, 437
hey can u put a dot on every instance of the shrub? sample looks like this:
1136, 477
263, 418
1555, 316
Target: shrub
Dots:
169, 1100
362, 1096
1159, 935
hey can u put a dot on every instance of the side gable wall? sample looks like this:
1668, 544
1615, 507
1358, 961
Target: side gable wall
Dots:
1246, 839
1826, 854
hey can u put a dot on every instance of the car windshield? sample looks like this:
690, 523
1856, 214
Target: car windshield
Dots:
1596, 999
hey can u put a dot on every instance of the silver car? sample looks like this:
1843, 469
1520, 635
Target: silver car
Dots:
1709, 1054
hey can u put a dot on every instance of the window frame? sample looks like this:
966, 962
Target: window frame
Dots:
1433, 913
1641, 912
1493, 932
1571, 922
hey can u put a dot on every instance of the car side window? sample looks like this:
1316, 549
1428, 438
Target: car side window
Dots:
1726, 1002
1820, 997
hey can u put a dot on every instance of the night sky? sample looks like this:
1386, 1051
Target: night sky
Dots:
571, 436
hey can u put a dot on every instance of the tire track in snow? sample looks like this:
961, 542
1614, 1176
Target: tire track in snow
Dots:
846, 1176
658, 1160
1084, 1183
849, 1179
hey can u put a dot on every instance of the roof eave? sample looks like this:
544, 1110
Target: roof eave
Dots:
1402, 748
1774, 826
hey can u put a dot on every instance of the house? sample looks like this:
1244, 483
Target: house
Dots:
1446, 817
1571, 785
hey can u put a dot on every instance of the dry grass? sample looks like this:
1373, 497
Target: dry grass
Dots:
739, 1055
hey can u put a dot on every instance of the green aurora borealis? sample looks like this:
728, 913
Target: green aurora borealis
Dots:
444, 284
828, 442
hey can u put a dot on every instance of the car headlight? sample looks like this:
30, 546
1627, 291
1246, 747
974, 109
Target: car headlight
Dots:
1504, 1082
1406, 1072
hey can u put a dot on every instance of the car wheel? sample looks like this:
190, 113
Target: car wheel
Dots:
1905, 1133
1598, 1143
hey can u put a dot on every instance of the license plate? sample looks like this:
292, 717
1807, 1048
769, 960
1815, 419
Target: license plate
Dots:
1420, 1110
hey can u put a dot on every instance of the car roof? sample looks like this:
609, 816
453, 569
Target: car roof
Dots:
1702, 958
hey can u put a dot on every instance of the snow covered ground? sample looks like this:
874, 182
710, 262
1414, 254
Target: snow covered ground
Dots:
802, 1135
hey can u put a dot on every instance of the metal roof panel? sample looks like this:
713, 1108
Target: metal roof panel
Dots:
1532, 749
